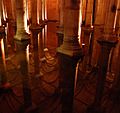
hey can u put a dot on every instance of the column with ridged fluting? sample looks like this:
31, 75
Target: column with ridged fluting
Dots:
69, 53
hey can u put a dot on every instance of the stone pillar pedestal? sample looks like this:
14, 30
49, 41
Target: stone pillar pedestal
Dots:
106, 46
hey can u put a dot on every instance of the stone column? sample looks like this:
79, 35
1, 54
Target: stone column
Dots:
110, 15
34, 24
88, 17
1, 13
21, 33
11, 23
34, 13
61, 23
106, 46
39, 10
69, 53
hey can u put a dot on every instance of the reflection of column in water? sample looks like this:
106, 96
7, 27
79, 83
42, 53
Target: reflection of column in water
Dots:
3, 78
23, 51
27, 56
35, 53
43, 37
40, 45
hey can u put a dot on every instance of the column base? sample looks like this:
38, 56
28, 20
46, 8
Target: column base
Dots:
22, 36
70, 52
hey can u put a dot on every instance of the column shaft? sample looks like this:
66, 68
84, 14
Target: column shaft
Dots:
21, 33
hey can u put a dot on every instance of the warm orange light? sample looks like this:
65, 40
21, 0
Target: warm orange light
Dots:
79, 29
116, 15
26, 16
3, 52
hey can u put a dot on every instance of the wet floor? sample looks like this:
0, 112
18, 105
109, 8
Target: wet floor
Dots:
31, 68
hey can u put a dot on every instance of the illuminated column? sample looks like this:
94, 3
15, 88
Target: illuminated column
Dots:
44, 10
88, 17
21, 33
69, 53
61, 23
1, 13
11, 23
34, 13
110, 17
39, 10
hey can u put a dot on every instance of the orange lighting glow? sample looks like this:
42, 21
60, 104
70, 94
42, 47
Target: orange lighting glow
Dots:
79, 29
3, 52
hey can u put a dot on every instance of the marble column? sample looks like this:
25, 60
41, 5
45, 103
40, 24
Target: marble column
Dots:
34, 19
36, 53
106, 46
60, 33
21, 33
88, 17
39, 10
110, 16
69, 53
1, 13
34, 13
11, 26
